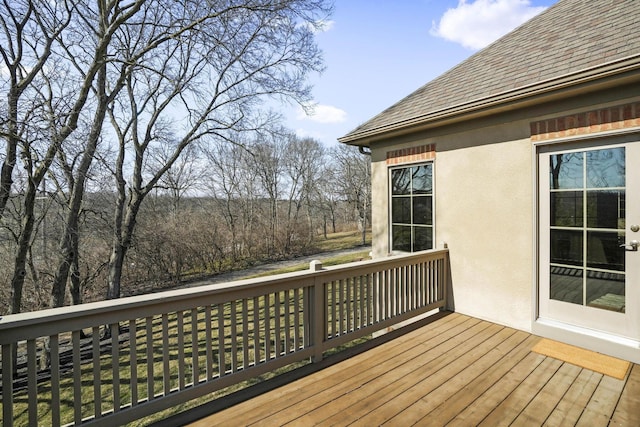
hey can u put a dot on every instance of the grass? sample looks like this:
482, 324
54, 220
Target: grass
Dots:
151, 349
336, 260
342, 240
337, 241
333, 242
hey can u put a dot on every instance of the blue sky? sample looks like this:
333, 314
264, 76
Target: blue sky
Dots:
379, 51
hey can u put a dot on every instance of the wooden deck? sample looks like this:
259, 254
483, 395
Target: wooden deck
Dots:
457, 370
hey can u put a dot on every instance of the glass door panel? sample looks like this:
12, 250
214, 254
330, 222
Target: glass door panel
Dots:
585, 276
586, 194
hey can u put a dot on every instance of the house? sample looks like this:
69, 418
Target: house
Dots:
519, 159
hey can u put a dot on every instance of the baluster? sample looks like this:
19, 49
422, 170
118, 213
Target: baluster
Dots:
115, 365
150, 344
348, 304
166, 368
208, 343
55, 380
95, 355
32, 382
334, 309
195, 357
180, 335
433, 279
245, 333
256, 331
287, 322
133, 361
222, 363
234, 336
267, 327
361, 296
296, 319
277, 330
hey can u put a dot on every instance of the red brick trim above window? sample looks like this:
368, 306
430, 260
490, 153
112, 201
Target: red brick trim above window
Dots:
412, 154
605, 119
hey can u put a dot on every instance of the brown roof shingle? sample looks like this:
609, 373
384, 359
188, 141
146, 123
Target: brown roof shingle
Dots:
569, 37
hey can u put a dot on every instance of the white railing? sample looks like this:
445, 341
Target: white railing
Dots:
174, 346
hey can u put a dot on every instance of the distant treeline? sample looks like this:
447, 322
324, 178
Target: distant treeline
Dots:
213, 211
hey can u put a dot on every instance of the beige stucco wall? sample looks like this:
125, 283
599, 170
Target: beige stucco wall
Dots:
484, 204
488, 227
483, 211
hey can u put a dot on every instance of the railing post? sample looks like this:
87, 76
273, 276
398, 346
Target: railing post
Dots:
445, 277
318, 322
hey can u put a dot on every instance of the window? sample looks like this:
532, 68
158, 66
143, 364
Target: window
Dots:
412, 208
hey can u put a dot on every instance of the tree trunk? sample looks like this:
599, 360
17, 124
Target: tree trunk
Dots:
116, 261
122, 243
76, 285
69, 239
22, 252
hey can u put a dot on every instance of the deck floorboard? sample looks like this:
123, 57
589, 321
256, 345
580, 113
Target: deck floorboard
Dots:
456, 371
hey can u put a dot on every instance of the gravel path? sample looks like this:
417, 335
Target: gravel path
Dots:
264, 268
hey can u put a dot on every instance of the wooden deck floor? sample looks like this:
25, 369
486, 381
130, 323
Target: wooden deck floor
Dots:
457, 371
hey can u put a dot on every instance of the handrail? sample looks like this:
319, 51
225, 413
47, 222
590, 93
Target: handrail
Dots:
173, 346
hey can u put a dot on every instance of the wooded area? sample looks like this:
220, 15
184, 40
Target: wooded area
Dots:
139, 143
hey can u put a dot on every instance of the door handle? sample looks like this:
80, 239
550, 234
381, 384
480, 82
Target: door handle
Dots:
632, 246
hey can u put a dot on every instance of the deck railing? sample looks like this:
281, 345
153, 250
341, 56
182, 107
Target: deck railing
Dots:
171, 347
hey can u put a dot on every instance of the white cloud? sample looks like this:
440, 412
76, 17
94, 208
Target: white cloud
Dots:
321, 26
477, 24
306, 133
322, 114
325, 25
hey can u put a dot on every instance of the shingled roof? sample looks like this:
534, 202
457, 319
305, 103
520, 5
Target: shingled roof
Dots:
571, 38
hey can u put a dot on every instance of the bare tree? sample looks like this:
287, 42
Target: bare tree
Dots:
205, 81
184, 176
57, 90
107, 23
267, 165
304, 162
230, 181
353, 179
28, 30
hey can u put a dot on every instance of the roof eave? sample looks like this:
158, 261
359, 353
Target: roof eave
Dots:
595, 77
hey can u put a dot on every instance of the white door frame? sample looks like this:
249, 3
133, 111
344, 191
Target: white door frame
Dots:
623, 347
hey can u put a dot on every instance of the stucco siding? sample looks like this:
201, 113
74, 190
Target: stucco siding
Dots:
483, 211
484, 200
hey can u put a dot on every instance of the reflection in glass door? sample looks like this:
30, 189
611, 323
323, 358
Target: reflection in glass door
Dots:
587, 222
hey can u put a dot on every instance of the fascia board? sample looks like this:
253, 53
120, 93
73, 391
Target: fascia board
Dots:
537, 91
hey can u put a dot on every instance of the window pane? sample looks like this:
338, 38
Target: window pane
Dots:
605, 209
566, 285
422, 179
412, 207
605, 168
422, 210
401, 238
423, 238
606, 291
401, 210
401, 181
566, 247
566, 209
566, 171
604, 251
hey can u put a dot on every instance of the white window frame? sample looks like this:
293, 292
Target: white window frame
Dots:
390, 205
